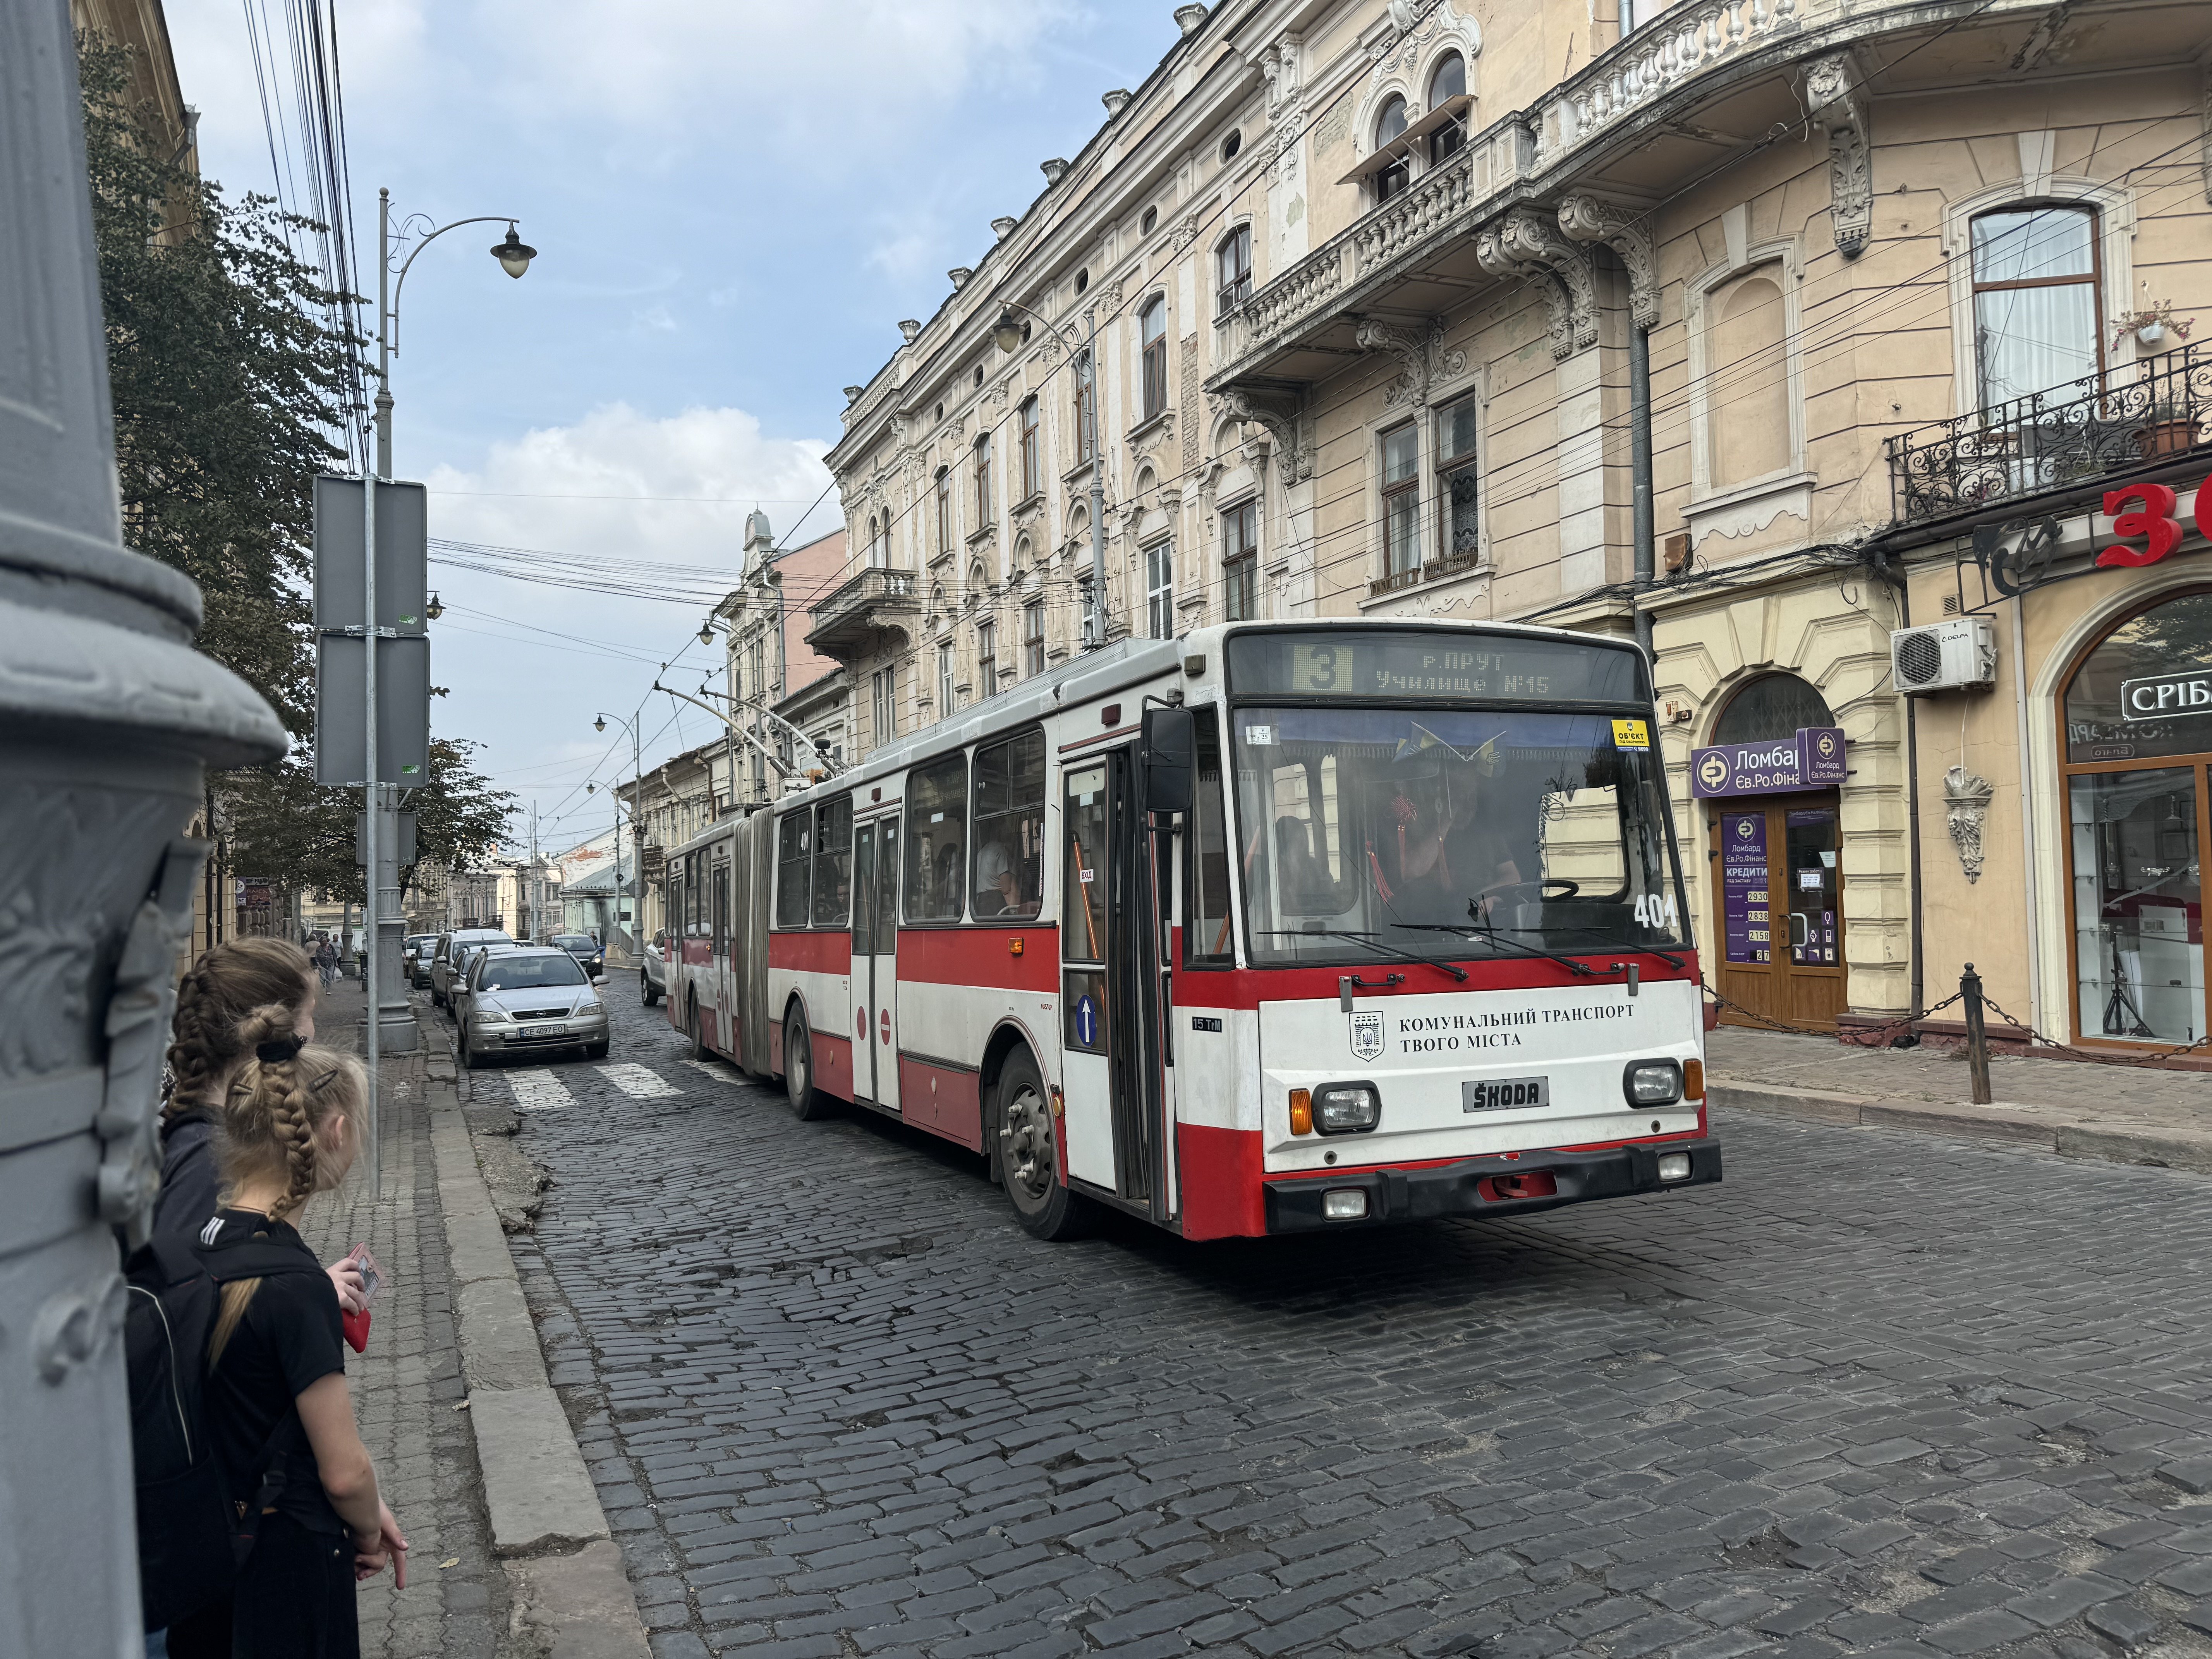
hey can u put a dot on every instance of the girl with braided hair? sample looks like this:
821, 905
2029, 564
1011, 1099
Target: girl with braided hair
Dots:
249, 994
277, 1404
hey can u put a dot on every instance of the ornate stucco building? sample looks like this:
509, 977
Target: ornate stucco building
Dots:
1762, 328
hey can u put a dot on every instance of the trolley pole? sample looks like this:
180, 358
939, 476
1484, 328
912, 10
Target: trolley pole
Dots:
98, 780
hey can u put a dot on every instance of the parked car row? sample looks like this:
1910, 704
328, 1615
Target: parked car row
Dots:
509, 997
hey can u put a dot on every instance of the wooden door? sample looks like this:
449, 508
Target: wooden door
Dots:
1777, 891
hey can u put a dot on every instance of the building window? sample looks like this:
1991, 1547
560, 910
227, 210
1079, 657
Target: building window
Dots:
1151, 217
1401, 501
1390, 127
1159, 590
1240, 562
947, 698
1747, 425
1086, 406
872, 534
1032, 479
1448, 82
2036, 313
1459, 533
883, 686
1153, 328
1033, 639
1232, 269
983, 513
944, 509
2136, 817
987, 656
880, 553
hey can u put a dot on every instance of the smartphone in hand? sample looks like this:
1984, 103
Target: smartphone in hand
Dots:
356, 1325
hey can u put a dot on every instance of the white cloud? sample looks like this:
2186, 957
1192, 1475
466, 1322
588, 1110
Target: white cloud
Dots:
653, 320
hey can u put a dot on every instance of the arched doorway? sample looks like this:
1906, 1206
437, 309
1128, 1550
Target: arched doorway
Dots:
2135, 740
1777, 871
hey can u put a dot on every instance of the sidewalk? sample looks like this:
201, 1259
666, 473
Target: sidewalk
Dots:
407, 1386
2122, 1114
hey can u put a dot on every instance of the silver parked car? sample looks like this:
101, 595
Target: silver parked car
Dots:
444, 977
652, 971
528, 1001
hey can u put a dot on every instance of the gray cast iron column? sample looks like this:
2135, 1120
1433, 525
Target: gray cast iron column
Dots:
107, 717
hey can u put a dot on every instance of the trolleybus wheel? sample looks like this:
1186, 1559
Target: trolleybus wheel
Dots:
807, 1102
692, 1030
1028, 1162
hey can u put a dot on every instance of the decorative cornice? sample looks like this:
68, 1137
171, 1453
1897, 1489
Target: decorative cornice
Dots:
1589, 218
1276, 414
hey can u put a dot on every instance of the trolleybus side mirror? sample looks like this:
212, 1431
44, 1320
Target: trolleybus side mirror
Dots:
1167, 753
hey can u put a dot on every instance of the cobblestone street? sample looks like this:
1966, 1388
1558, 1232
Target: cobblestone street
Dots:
1879, 1393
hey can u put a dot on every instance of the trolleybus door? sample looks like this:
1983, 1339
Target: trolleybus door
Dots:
1110, 988
875, 961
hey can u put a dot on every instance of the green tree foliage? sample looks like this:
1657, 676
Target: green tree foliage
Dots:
227, 383
282, 824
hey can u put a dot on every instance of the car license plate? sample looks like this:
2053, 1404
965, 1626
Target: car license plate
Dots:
1504, 1093
548, 1030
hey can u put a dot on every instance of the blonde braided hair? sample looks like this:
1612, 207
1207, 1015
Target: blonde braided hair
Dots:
216, 996
278, 1119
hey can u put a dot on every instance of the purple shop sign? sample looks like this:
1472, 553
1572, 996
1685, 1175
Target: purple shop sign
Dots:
1744, 904
1813, 759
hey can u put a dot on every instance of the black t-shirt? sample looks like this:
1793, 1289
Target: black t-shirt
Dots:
290, 1336
188, 1198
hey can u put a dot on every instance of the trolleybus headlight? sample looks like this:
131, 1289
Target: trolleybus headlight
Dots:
1674, 1166
1344, 1108
1343, 1204
1652, 1082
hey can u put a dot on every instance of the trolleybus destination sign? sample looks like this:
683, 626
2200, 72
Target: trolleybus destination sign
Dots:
1813, 759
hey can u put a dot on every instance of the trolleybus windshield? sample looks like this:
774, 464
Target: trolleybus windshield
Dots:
1427, 829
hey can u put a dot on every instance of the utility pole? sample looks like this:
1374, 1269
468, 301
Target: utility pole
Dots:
98, 776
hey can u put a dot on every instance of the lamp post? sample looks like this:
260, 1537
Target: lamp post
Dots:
636, 789
1008, 333
99, 772
387, 1016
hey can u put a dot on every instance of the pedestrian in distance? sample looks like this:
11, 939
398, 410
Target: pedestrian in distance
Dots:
327, 961
277, 1404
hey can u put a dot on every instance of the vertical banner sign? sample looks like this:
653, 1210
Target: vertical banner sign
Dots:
1744, 886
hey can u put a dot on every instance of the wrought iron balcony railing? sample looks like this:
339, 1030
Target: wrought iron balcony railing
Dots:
2087, 430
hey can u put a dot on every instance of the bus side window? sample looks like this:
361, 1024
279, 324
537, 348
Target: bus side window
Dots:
833, 861
937, 840
1009, 878
1207, 929
721, 906
793, 842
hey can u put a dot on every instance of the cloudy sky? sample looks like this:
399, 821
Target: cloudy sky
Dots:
734, 201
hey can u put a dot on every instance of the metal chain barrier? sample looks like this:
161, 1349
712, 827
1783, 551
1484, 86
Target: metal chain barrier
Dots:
2094, 1056
1888, 1028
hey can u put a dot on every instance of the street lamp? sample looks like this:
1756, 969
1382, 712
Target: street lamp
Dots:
1008, 335
637, 790
436, 608
514, 254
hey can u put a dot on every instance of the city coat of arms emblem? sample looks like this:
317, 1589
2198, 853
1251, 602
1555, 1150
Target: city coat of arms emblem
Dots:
1367, 1036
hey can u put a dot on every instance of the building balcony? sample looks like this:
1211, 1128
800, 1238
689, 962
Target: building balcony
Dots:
2072, 437
861, 618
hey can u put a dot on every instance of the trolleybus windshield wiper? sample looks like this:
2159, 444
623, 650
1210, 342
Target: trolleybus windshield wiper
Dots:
1613, 939
1489, 936
1368, 939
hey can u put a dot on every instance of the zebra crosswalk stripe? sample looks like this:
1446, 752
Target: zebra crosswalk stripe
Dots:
638, 1082
539, 1090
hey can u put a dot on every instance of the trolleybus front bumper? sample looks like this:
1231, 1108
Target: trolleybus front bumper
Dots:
1489, 1186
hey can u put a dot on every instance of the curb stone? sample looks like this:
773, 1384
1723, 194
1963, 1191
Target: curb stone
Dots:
2018, 1127
571, 1597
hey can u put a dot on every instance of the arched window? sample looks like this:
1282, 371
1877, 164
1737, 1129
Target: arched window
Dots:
2037, 319
1032, 476
883, 545
874, 530
1771, 706
1153, 328
2136, 741
1232, 269
944, 509
1748, 428
1448, 81
983, 513
1390, 127
1086, 407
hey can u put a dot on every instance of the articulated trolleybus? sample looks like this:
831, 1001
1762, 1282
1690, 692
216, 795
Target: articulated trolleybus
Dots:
1274, 928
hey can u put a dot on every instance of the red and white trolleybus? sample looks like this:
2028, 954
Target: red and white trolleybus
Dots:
1271, 928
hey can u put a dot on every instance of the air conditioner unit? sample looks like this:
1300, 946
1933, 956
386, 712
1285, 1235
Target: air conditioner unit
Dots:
1945, 656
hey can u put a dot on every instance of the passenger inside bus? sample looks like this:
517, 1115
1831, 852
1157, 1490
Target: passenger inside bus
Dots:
998, 888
